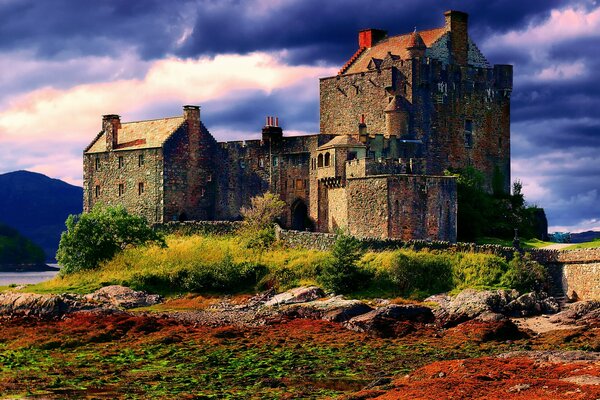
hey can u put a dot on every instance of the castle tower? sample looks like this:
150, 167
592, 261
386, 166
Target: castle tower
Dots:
416, 46
396, 118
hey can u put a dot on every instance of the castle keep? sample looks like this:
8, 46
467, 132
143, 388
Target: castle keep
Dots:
401, 111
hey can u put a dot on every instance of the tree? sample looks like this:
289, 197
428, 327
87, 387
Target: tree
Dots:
341, 274
258, 227
100, 234
496, 214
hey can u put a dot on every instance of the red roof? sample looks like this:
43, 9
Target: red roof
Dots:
396, 45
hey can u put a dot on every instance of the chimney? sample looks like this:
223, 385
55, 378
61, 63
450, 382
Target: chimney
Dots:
272, 131
191, 115
362, 130
110, 125
457, 23
370, 37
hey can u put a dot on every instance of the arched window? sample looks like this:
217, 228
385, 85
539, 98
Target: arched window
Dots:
320, 160
327, 159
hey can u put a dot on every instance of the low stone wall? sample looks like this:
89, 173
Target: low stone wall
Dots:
324, 241
581, 281
574, 273
188, 228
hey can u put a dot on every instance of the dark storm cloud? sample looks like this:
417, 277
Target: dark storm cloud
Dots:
318, 31
69, 28
311, 30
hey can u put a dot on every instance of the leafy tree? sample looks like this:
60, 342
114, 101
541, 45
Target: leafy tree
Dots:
341, 274
100, 234
495, 214
258, 227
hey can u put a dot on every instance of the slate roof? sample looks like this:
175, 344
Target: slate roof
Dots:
139, 135
396, 45
342, 141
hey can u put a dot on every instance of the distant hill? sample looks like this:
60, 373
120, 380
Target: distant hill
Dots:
16, 249
37, 206
582, 237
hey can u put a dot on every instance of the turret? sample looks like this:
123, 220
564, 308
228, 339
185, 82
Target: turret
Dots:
416, 46
396, 118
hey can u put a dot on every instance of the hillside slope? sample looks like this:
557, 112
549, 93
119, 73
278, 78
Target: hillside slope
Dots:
37, 206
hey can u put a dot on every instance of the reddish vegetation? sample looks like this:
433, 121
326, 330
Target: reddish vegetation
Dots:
120, 354
494, 378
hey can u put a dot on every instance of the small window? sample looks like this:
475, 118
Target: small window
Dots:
327, 159
97, 163
202, 192
468, 133
275, 161
97, 191
121, 189
351, 155
242, 164
299, 184
209, 178
121, 162
320, 160
261, 163
500, 143
141, 188
140, 160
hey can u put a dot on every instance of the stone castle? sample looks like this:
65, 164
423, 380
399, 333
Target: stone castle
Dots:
401, 111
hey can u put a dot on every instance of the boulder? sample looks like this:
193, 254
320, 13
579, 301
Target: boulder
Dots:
31, 304
301, 294
123, 297
469, 304
577, 312
335, 309
533, 303
388, 320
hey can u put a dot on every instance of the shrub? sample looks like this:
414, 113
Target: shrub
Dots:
478, 270
421, 272
100, 234
259, 218
525, 274
341, 274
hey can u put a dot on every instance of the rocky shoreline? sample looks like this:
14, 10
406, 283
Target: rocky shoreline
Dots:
499, 308
477, 344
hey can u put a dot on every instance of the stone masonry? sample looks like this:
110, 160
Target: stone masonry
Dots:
401, 111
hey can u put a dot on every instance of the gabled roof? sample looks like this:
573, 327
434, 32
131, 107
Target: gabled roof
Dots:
139, 135
342, 141
396, 45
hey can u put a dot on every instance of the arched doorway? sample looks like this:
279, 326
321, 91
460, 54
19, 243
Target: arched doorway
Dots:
300, 220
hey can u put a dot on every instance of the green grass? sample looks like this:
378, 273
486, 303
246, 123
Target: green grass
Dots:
222, 264
525, 243
587, 245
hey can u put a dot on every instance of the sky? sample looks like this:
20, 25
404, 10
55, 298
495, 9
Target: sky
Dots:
65, 63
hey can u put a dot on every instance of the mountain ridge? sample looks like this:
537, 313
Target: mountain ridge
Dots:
37, 206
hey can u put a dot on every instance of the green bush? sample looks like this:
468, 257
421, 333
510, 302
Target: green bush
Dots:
478, 270
341, 274
421, 272
525, 274
100, 234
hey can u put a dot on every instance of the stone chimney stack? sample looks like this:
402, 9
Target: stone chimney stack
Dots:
272, 131
191, 115
369, 37
457, 23
110, 125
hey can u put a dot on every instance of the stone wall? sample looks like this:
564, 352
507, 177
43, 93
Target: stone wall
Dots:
198, 227
103, 175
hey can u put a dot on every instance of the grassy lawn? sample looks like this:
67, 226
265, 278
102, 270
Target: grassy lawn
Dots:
586, 245
525, 243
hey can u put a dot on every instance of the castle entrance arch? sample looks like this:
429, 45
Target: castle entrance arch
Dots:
300, 220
